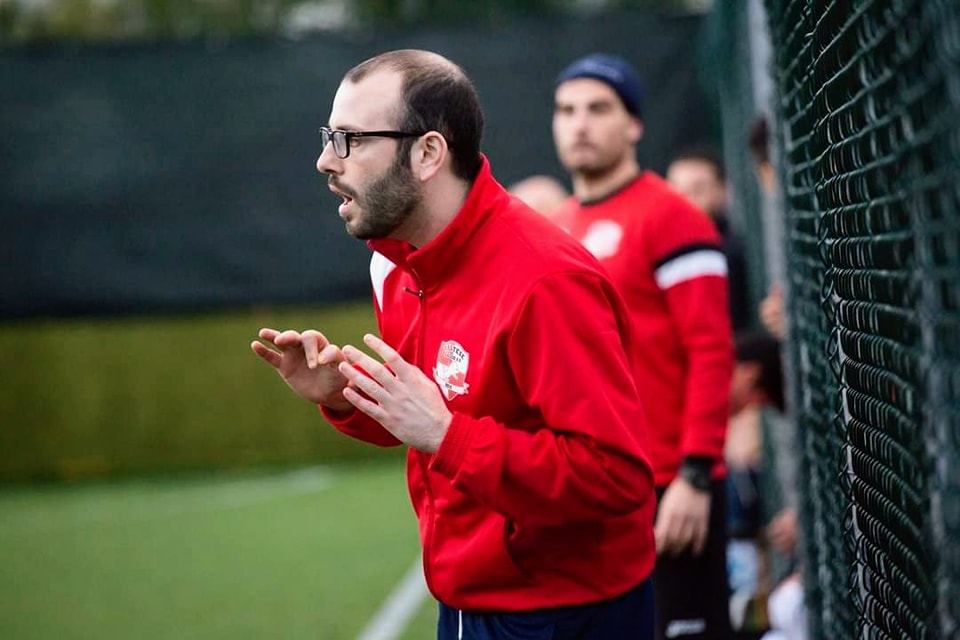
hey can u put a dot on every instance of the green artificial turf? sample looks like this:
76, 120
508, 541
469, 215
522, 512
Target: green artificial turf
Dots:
310, 553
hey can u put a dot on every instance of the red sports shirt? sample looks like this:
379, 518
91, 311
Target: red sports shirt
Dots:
664, 256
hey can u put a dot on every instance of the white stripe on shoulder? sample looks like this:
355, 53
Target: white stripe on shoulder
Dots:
704, 262
380, 268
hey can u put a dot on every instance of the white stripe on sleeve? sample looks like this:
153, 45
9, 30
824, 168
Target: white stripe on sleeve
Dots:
702, 262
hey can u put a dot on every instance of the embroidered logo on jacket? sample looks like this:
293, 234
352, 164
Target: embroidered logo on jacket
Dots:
451, 369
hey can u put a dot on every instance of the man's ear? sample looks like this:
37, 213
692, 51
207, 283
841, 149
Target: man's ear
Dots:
430, 153
636, 130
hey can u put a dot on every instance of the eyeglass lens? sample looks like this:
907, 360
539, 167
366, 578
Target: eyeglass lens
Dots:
338, 138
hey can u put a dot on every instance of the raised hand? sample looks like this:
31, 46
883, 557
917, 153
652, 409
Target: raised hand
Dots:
396, 394
308, 363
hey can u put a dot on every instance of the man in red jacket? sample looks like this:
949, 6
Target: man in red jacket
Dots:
665, 258
505, 369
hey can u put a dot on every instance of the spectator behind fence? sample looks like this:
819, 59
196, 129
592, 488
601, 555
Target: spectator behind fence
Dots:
756, 395
786, 611
544, 194
698, 173
665, 257
771, 307
786, 607
505, 370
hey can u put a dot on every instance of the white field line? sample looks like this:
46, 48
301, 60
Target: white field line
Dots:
400, 606
143, 502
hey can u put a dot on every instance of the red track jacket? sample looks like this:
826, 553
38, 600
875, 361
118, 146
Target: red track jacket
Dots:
541, 493
664, 256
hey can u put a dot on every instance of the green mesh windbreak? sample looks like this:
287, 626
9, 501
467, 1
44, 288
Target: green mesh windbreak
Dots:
868, 102
731, 72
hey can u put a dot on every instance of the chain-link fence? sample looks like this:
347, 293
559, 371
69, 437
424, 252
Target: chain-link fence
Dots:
867, 125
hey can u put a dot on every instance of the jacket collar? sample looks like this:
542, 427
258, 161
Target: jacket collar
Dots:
432, 261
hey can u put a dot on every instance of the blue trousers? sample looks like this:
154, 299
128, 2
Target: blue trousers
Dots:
626, 617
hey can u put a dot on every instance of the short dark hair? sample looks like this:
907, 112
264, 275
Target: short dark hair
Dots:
702, 153
758, 140
764, 349
436, 95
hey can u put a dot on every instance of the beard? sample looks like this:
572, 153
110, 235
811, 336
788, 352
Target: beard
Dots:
592, 166
386, 203
594, 171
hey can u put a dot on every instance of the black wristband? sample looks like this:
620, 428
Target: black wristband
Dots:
696, 471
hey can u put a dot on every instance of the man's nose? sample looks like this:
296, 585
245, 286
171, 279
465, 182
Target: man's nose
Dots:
328, 162
581, 120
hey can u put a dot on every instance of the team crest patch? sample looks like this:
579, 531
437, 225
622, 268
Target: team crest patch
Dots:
451, 370
603, 238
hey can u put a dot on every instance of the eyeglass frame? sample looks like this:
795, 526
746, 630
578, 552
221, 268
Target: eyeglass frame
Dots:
331, 134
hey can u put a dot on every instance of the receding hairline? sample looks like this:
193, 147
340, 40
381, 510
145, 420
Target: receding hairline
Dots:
702, 155
403, 61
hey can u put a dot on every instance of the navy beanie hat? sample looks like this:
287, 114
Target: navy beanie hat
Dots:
613, 71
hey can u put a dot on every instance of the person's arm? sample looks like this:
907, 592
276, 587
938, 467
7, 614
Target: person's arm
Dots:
693, 278
692, 272
698, 307
587, 459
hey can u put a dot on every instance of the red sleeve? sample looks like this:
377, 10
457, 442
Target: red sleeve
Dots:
359, 425
699, 308
692, 272
587, 458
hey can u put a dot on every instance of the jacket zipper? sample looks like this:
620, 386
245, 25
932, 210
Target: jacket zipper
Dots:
421, 458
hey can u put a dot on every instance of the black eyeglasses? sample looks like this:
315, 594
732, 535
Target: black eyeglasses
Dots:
341, 139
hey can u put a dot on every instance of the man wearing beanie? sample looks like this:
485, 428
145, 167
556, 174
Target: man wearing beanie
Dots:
665, 258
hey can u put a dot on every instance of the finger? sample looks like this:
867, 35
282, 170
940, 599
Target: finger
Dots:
662, 536
676, 534
365, 405
693, 534
271, 356
659, 542
288, 338
680, 538
369, 386
330, 354
313, 342
358, 377
667, 546
268, 334
374, 369
387, 353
